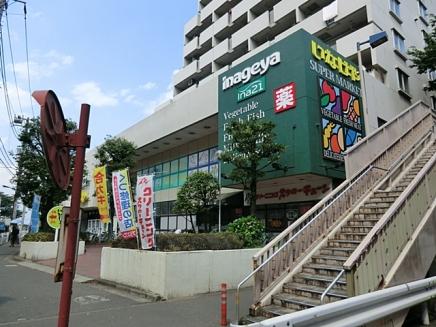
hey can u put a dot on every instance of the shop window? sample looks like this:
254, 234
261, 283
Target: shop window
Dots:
212, 154
182, 177
158, 169
193, 161
174, 180
204, 169
158, 183
191, 171
203, 158
166, 168
183, 163
165, 182
214, 170
174, 166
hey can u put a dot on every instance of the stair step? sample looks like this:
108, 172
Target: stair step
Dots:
394, 194
252, 319
273, 310
313, 292
335, 243
371, 210
329, 260
354, 236
356, 229
363, 222
319, 269
294, 302
376, 199
381, 204
333, 251
320, 281
367, 216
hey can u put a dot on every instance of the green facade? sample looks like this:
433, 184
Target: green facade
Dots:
312, 96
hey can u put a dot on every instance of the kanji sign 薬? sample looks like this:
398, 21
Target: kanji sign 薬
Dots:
144, 208
99, 176
284, 97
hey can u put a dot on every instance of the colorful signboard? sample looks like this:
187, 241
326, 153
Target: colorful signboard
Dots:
309, 91
123, 203
144, 209
100, 181
54, 216
34, 218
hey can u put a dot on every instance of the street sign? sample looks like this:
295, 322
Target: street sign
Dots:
54, 137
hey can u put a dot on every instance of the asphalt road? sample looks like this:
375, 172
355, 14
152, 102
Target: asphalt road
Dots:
30, 298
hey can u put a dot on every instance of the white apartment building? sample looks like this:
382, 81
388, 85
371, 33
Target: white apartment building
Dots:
181, 136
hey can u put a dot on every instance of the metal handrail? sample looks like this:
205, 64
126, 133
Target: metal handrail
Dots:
361, 249
331, 285
293, 237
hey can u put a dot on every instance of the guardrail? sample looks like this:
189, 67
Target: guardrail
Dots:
359, 310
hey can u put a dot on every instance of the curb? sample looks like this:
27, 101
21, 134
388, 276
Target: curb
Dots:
152, 297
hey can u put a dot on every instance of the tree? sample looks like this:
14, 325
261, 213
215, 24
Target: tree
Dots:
197, 196
116, 153
251, 152
425, 59
32, 175
6, 205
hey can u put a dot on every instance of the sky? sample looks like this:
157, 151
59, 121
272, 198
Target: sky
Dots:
118, 56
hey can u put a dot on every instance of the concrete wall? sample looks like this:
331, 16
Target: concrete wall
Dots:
176, 274
43, 250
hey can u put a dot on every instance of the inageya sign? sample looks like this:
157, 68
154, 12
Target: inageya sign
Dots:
54, 217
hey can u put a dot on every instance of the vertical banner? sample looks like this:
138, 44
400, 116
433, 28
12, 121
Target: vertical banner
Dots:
144, 209
34, 218
99, 177
123, 203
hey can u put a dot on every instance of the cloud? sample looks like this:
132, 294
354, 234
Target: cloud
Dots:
91, 93
149, 86
163, 97
42, 65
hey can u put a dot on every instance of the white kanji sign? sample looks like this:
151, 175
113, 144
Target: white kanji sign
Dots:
284, 97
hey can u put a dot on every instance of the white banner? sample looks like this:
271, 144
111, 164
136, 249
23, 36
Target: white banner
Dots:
123, 203
144, 210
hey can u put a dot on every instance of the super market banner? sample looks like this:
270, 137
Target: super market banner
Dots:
144, 210
99, 176
123, 203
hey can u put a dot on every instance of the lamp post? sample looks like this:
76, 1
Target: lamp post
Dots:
218, 154
374, 41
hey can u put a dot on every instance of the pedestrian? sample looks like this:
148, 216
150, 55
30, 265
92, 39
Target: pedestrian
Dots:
14, 235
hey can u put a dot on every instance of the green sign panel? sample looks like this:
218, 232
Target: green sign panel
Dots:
251, 89
311, 94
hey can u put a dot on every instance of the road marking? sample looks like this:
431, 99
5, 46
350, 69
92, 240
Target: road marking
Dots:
11, 265
90, 299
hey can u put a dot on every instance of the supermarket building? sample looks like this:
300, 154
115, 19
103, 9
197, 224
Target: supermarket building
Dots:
291, 62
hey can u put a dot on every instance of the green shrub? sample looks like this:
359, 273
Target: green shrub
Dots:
39, 237
170, 242
249, 229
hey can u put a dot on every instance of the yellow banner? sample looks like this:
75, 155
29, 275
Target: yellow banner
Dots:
54, 217
99, 177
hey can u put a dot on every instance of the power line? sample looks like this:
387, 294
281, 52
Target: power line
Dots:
27, 58
12, 59
6, 154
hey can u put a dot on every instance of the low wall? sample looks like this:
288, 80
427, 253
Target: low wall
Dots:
43, 250
176, 274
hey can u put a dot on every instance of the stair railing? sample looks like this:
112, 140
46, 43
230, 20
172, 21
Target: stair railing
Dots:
272, 263
305, 232
333, 283
399, 222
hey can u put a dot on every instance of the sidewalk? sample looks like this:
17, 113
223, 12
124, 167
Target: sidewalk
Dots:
88, 264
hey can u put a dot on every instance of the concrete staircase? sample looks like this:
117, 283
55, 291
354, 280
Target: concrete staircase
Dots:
307, 286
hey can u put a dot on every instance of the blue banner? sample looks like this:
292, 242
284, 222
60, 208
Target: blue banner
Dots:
34, 218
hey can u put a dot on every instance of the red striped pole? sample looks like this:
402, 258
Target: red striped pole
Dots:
223, 304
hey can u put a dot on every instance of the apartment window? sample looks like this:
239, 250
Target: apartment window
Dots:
395, 7
433, 102
422, 11
403, 81
399, 44
431, 74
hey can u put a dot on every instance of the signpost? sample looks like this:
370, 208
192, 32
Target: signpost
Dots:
57, 143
